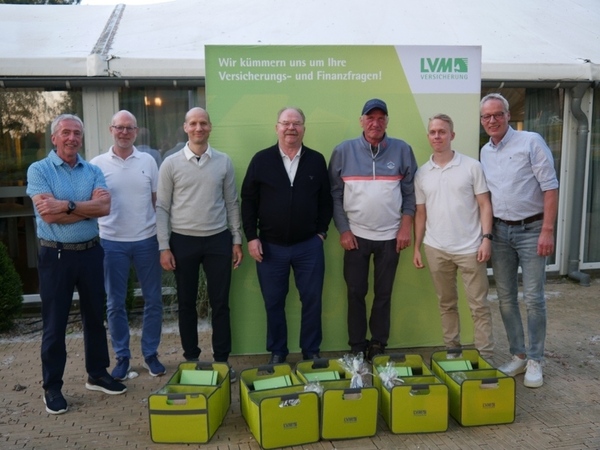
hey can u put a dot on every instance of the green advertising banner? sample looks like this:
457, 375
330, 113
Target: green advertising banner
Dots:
245, 88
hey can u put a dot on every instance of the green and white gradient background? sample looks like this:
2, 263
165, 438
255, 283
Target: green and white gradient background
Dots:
244, 114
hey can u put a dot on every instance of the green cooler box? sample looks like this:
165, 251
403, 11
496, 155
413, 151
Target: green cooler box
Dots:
420, 404
479, 394
189, 414
345, 412
278, 416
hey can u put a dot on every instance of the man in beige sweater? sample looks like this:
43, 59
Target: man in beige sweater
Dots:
198, 221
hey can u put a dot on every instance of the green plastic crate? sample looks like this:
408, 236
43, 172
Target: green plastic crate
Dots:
420, 405
279, 417
482, 396
345, 412
189, 414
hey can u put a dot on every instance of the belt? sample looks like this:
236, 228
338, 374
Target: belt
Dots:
75, 246
527, 220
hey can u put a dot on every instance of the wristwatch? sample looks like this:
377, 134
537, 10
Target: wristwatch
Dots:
488, 236
71, 207
323, 234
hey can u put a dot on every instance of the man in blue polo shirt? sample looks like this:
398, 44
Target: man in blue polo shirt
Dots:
69, 195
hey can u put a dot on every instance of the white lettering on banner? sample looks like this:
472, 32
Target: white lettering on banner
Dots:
229, 62
249, 62
349, 76
251, 76
281, 77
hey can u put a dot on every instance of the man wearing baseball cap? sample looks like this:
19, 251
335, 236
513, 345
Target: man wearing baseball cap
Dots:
373, 208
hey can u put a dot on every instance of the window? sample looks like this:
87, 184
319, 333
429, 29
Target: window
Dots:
160, 114
25, 117
591, 252
539, 110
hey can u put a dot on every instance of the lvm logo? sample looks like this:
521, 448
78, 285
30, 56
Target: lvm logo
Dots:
444, 65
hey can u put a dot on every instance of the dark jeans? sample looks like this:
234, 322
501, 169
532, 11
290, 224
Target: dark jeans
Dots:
356, 274
214, 254
308, 262
59, 273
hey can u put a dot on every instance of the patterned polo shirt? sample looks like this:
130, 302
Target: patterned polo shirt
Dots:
54, 176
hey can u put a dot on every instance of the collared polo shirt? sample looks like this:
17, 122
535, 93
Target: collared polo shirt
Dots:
449, 194
131, 182
53, 176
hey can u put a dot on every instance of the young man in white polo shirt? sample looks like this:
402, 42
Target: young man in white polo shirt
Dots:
454, 220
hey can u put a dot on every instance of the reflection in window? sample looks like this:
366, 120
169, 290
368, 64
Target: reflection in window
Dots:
160, 114
25, 118
591, 251
544, 115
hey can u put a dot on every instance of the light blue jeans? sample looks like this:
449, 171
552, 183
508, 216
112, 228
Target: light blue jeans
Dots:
514, 246
118, 257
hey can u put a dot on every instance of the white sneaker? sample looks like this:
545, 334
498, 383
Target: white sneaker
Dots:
514, 366
533, 377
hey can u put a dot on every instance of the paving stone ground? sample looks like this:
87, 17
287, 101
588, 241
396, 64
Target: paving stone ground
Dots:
563, 414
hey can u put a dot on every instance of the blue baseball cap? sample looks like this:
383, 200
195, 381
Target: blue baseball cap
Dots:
374, 103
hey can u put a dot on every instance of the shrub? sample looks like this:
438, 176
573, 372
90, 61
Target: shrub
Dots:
11, 291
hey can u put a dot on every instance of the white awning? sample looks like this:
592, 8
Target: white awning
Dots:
533, 40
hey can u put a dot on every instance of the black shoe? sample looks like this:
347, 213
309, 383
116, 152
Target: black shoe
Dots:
276, 359
375, 349
309, 356
55, 402
357, 349
106, 384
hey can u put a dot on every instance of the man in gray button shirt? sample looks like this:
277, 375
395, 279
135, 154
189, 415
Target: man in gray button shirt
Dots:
519, 169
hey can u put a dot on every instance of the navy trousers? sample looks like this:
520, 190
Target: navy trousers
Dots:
307, 260
60, 271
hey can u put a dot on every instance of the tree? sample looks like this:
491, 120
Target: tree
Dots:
24, 111
25, 115
11, 291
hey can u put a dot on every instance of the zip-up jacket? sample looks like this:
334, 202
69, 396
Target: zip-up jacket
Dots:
278, 211
371, 191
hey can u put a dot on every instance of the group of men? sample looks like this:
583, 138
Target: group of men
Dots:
503, 207
95, 220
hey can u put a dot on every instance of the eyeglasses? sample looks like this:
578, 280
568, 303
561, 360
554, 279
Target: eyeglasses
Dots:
497, 116
120, 129
294, 124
